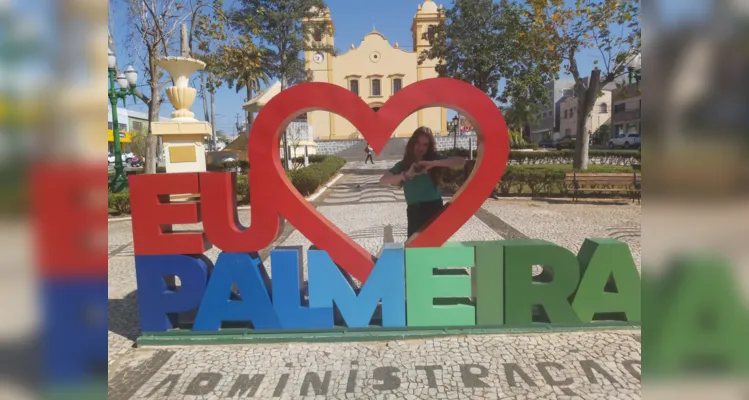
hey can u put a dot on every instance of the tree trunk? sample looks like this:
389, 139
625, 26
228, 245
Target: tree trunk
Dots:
586, 98
250, 117
286, 155
154, 107
205, 98
213, 121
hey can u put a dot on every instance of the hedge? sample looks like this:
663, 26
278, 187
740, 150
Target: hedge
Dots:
306, 180
610, 157
536, 180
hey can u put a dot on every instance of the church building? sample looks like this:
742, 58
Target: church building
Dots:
376, 70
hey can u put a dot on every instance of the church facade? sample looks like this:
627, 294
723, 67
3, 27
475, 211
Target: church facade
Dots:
376, 70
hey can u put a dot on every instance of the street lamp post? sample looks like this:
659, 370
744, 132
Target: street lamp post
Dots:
126, 84
456, 130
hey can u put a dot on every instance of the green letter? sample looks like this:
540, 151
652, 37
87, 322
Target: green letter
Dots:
425, 283
521, 293
488, 277
604, 261
702, 317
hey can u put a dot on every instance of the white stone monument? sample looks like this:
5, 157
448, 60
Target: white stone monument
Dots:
183, 136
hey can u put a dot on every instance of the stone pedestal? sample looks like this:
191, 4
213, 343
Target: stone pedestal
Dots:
184, 148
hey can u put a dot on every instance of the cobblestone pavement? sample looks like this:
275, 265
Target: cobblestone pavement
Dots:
543, 366
593, 365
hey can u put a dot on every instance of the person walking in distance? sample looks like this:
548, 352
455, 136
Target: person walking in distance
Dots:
369, 152
419, 174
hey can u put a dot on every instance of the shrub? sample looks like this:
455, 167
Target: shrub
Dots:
532, 146
613, 157
536, 180
243, 189
120, 202
308, 179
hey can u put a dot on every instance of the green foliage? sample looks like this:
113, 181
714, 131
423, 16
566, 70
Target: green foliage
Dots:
308, 179
243, 189
517, 139
608, 27
285, 28
620, 157
138, 143
520, 113
535, 180
484, 42
603, 133
120, 202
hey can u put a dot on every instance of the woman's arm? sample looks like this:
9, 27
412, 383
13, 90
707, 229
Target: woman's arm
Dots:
390, 178
446, 162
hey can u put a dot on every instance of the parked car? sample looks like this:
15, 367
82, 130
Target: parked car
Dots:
546, 143
630, 140
567, 142
126, 157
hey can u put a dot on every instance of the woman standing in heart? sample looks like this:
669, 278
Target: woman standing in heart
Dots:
418, 174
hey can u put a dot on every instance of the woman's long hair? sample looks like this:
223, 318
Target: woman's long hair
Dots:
431, 154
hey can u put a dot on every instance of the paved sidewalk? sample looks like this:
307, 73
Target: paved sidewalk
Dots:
543, 366
590, 365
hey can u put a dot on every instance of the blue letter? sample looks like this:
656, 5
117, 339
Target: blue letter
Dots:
328, 284
75, 322
156, 300
286, 265
248, 273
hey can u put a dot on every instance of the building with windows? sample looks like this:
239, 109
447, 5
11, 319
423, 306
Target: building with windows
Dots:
129, 123
547, 121
599, 115
627, 101
376, 70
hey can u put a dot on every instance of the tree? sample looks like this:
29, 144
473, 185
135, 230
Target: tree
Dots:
285, 28
207, 34
520, 114
153, 28
138, 143
609, 26
484, 43
603, 133
243, 67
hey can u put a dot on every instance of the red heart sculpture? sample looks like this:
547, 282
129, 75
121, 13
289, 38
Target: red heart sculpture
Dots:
273, 195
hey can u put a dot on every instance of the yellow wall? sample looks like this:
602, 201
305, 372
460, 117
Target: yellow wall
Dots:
127, 139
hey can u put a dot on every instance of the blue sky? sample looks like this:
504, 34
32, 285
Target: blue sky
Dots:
352, 19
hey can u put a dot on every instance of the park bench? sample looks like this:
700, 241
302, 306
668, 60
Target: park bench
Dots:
604, 182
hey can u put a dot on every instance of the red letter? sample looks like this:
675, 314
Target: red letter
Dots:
153, 214
218, 196
67, 224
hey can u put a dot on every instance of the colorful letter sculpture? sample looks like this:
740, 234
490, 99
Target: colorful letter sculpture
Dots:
425, 283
